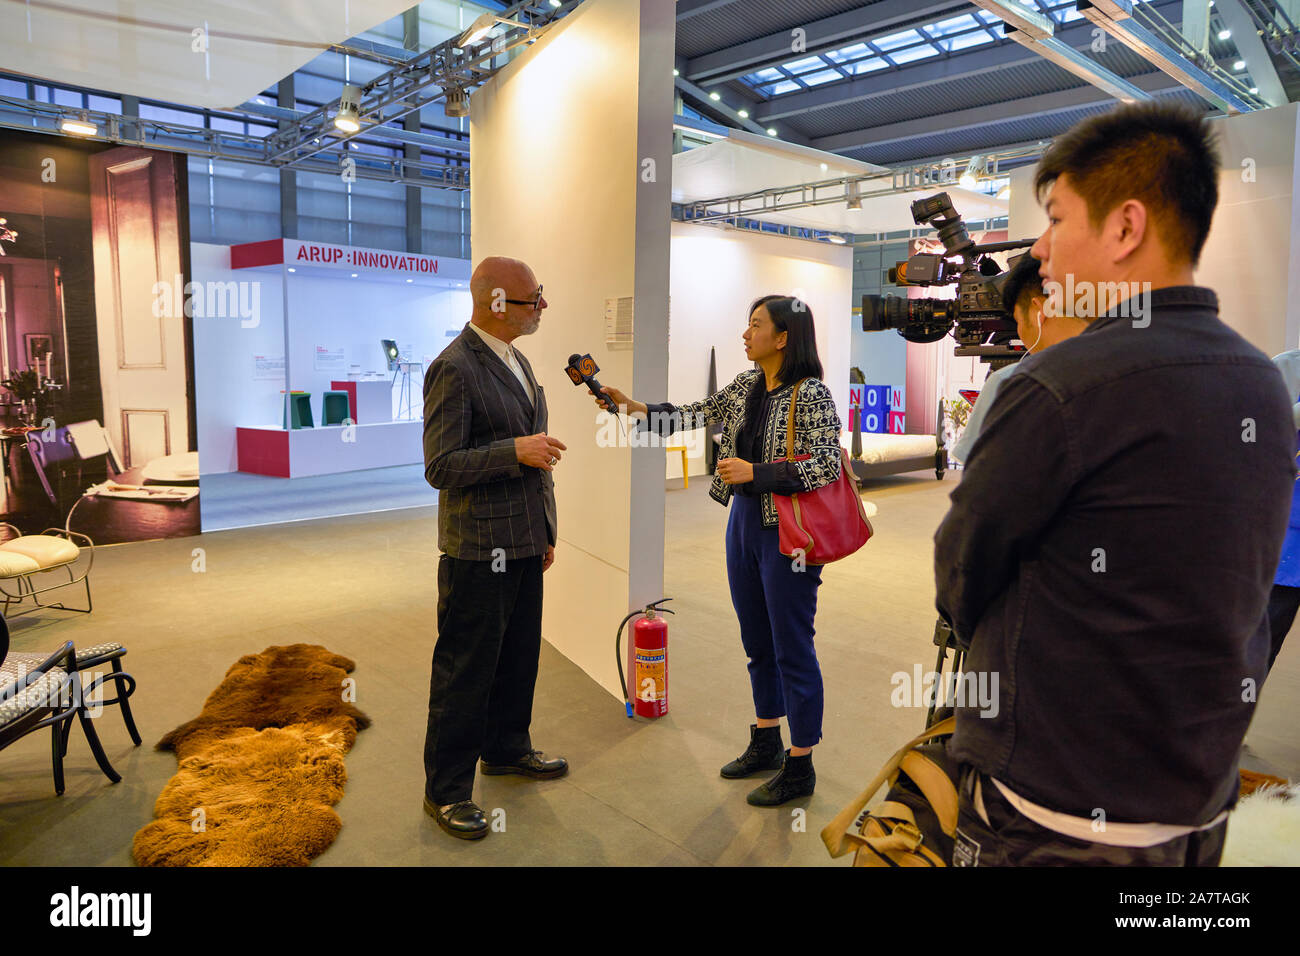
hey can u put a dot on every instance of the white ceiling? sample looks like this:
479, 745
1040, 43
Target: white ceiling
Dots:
744, 163
149, 48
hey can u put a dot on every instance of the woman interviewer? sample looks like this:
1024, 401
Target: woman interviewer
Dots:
775, 597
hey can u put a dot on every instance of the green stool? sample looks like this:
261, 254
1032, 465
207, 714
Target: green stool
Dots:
300, 409
335, 408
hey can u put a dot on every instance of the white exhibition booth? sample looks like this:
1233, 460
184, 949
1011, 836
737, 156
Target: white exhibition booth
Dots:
313, 315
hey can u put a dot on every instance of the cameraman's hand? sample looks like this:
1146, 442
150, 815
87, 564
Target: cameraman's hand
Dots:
735, 471
621, 400
539, 451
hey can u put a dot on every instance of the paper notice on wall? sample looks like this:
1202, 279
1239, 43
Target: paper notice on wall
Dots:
618, 322
269, 368
330, 360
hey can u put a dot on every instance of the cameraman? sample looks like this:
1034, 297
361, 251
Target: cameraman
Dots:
1110, 548
1024, 298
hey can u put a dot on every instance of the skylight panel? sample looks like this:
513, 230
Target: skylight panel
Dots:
849, 53
816, 79
868, 66
896, 40
965, 41
912, 54
953, 25
806, 64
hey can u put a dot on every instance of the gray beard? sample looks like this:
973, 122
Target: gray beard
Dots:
527, 327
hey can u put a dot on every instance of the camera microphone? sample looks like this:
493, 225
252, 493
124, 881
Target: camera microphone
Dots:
582, 370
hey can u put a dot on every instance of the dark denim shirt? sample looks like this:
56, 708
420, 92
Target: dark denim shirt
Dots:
1109, 554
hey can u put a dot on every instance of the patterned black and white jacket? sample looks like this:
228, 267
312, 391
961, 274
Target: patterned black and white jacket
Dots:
816, 432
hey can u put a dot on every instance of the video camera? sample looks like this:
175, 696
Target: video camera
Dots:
975, 318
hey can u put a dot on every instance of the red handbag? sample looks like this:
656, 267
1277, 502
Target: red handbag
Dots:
826, 524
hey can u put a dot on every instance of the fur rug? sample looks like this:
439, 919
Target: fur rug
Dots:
1264, 828
260, 767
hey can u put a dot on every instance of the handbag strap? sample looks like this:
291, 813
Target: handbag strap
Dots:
789, 425
836, 834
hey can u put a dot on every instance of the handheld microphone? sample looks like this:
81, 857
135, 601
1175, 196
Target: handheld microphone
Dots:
582, 370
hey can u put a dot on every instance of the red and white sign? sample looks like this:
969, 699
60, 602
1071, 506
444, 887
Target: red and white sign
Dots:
295, 252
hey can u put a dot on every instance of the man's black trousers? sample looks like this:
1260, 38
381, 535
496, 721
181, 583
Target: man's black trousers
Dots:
484, 670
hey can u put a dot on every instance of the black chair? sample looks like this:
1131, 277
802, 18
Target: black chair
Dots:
38, 692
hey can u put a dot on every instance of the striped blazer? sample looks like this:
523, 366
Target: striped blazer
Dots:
816, 431
474, 408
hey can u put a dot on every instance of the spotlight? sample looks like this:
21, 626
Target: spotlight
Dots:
457, 102
970, 178
348, 118
1239, 65
838, 240
78, 125
1224, 34
715, 97
771, 131
477, 31
743, 114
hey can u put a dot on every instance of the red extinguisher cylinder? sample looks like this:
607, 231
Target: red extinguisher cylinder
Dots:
650, 659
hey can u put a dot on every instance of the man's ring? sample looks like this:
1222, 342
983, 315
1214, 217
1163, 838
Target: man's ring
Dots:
553, 460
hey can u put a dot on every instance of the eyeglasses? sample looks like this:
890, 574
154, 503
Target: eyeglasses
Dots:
532, 302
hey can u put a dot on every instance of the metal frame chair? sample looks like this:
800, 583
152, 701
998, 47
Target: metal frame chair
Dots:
27, 590
68, 701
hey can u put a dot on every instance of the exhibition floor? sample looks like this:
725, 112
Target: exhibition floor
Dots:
238, 500
638, 793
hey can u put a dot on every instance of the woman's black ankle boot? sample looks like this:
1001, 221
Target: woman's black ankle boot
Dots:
766, 752
795, 780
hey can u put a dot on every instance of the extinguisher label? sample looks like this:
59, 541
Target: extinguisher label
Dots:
650, 673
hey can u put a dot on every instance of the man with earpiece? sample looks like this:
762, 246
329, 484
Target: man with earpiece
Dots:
1038, 327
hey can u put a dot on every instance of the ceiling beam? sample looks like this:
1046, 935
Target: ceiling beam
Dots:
731, 114
918, 76
992, 114
1251, 47
829, 33
689, 8
1196, 23
1116, 18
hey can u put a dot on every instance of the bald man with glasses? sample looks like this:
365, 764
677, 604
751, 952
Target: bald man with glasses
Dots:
487, 452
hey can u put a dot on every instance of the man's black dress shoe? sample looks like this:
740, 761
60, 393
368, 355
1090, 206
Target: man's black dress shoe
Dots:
464, 820
532, 764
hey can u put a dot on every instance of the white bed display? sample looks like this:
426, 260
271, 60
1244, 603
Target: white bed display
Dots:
895, 454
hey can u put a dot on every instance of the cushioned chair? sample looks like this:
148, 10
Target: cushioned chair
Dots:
38, 692
88, 660
24, 555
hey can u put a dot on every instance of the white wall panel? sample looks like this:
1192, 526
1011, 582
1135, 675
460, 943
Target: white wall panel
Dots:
559, 136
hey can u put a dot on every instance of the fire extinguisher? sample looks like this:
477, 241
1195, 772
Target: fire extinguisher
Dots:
650, 660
